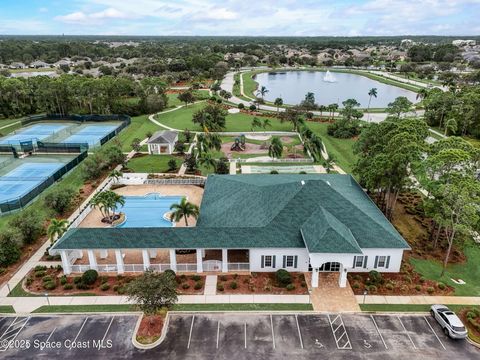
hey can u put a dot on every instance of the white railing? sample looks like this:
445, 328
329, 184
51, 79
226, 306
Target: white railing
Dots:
107, 268
160, 267
271, 160
186, 267
175, 181
238, 266
133, 268
212, 265
80, 268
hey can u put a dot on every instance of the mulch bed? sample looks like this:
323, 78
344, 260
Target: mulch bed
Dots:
473, 326
105, 285
150, 328
260, 283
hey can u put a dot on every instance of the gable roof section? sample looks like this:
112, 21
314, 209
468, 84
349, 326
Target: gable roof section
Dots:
324, 212
163, 137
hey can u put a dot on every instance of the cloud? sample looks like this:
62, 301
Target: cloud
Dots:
80, 17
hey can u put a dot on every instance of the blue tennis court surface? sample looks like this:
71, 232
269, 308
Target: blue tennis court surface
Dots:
148, 211
25, 178
91, 134
33, 133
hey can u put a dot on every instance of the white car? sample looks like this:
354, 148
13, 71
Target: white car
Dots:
451, 324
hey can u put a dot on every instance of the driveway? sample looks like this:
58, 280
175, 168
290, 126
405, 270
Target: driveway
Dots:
234, 336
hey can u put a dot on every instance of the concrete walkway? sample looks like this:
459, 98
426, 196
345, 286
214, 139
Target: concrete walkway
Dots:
211, 285
419, 299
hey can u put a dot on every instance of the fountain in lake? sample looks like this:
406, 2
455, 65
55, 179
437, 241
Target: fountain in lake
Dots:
328, 77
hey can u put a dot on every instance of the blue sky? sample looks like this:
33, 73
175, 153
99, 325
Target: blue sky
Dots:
244, 17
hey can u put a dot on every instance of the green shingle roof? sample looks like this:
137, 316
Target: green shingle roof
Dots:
323, 212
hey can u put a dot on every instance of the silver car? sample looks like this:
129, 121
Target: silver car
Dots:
451, 324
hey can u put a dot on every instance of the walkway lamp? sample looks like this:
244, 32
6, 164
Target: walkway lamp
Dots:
365, 293
48, 300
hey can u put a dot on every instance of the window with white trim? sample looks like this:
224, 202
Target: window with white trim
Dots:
358, 261
268, 261
382, 260
290, 261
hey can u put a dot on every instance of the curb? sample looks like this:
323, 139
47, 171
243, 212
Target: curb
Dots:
157, 342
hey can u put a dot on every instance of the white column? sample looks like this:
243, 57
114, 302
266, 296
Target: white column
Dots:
224, 260
92, 260
342, 280
67, 268
119, 258
103, 254
173, 260
315, 278
79, 254
153, 253
146, 259
199, 261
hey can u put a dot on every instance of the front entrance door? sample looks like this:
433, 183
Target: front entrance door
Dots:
330, 267
212, 265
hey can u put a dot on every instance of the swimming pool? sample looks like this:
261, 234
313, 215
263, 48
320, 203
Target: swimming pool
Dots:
148, 210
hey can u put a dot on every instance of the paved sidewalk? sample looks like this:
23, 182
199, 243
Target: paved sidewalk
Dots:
419, 299
211, 285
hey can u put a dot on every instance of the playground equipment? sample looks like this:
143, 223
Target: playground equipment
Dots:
239, 144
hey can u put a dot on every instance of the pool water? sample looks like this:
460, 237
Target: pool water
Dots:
148, 210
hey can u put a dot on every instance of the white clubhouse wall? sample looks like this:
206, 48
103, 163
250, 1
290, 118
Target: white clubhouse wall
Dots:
256, 259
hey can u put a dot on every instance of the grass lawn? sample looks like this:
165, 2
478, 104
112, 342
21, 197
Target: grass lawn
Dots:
475, 142
152, 163
178, 307
340, 149
9, 129
468, 272
7, 309
139, 128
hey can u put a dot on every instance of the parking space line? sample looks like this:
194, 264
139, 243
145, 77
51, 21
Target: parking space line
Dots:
406, 332
81, 328
434, 333
106, 332
341, 326
49, 336
379, 333
299, 332
273, 334
14, 332
218, 332
8, 328
190, 335
245, 334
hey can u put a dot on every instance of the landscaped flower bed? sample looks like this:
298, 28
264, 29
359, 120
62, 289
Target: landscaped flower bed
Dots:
407, 282
150, 328
471, 319
262, 283
52, 280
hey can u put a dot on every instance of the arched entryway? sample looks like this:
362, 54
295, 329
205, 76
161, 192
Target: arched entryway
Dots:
330, 267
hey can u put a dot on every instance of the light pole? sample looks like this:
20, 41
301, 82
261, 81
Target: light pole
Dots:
365, 292
48, 300
309, 296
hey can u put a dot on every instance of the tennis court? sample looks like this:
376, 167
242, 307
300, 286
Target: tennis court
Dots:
34, 133
91, 134
25, 177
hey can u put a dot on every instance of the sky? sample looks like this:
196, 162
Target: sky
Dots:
241, 17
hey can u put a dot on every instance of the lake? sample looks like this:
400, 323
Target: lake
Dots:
292, 86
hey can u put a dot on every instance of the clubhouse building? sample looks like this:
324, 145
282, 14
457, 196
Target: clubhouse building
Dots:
301, 223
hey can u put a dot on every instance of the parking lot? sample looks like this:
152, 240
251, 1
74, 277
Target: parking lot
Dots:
234, 336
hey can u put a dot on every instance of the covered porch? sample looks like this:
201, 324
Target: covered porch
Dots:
122, 261
330, 263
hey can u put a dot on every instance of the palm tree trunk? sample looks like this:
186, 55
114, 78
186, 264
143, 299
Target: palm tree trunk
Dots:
186, 222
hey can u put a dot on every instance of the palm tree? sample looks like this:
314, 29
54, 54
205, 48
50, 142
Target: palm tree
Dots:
256, 123
275, 149
322, 108
278, 102
262, 92
329, 163
422, 94
183, 210
207, 142
115, 175
107, 202
56, 229
266, 123
371, 92
208, 161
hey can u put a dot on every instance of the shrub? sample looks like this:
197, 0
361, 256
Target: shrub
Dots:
115, 287
223, 277
68, 287
40, 273
60, 199
195, 277
82, 286
357, 277
121, 290
375, 277
40, 268
49, 285
441, 286
233, 285
198, 285
241, 106
220, 287
430, 290
235, 276
185, 286
389, 286
172, 165
47, 278
90, 276
252, 107
219, 101
77, 279
408, 278
274, 172
290, 287
213, 98
183, 277
356, 285
421, 280
103, 279
372, 289
303, 284
29, 281
283, 277
171, 272
418, 287
104, 287
63, 280
9, 247
29, 224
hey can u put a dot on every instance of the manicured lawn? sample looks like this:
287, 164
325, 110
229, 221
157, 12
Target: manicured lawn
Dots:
152, 163
139, 128
340, 149
468, 272
7, 309
178, 307
9, 129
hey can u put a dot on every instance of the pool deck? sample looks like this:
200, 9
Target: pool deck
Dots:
193, 193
